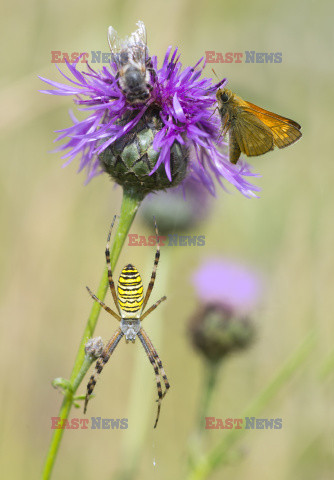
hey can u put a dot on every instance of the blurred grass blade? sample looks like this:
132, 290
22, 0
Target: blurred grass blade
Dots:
219, 453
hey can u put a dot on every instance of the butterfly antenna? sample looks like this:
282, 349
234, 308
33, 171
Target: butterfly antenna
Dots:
215, 74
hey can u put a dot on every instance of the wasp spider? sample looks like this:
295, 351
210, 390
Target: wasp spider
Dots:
130, 303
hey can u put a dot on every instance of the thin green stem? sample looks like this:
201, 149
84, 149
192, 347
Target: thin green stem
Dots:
215, 457
83, 370
130, 203
195, 443
209, 385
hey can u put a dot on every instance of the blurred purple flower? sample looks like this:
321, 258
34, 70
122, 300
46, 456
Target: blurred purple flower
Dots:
185, 102
229, 284
178, 209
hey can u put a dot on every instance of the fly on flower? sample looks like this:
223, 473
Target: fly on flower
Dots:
133, 64
149, 126
253, 130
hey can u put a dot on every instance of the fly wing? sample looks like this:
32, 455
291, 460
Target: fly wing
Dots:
115, 43
137, 44
129, 50
139, 36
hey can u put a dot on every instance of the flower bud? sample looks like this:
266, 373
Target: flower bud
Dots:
94, 347
215, 332
131, 159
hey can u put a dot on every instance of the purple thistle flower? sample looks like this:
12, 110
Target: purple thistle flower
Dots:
222, 323
185, 102
228, 283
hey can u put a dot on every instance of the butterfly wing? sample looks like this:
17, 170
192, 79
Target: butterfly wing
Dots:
285, 131
247, 134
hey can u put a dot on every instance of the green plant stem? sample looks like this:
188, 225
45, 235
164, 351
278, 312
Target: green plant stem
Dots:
209, 384
209, 462
130, 203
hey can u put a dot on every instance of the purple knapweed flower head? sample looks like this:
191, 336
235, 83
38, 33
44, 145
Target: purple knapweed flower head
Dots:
228, 293
228, 283
178, 209
148, 126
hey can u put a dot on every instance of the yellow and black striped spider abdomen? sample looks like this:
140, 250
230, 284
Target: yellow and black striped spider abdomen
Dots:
131, 311
130, 292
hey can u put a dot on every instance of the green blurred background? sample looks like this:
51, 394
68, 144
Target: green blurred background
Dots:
54, 231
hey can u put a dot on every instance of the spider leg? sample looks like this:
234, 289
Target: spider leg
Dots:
110, 279
108, 350
103, 305
155, 265
158, 361
153, 307
158, 368
156, 371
